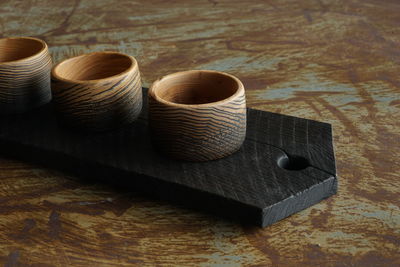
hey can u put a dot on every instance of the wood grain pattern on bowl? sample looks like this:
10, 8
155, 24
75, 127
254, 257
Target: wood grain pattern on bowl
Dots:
197, 115
97, 91
25, 66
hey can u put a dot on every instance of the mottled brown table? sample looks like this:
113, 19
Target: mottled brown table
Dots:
334, 61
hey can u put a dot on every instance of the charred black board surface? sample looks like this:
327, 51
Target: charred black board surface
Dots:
285, 165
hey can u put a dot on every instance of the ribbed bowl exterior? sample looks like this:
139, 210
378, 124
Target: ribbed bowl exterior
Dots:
198, 133
99, 105
25, 83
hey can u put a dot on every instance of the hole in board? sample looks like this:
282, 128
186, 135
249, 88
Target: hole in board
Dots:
293, 162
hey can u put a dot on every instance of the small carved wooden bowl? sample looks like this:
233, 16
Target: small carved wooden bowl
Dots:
25, 66
197, 115
97, 91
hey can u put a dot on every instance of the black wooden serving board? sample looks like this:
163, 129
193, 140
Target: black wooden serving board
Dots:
249, 185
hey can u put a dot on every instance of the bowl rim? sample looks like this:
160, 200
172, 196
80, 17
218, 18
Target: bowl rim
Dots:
133, 65
43, 43
240, 90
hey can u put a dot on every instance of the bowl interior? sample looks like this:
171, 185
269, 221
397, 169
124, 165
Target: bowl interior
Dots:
93, 66
196, 87
12, 49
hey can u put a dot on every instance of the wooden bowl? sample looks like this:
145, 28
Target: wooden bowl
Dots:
197, 115
97, 91
25, 66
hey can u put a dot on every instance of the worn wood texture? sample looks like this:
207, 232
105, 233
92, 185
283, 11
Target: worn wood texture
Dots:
335, 61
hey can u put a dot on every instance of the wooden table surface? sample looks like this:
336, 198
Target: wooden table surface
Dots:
333, 61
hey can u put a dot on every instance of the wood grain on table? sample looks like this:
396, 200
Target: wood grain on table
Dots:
333, 61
